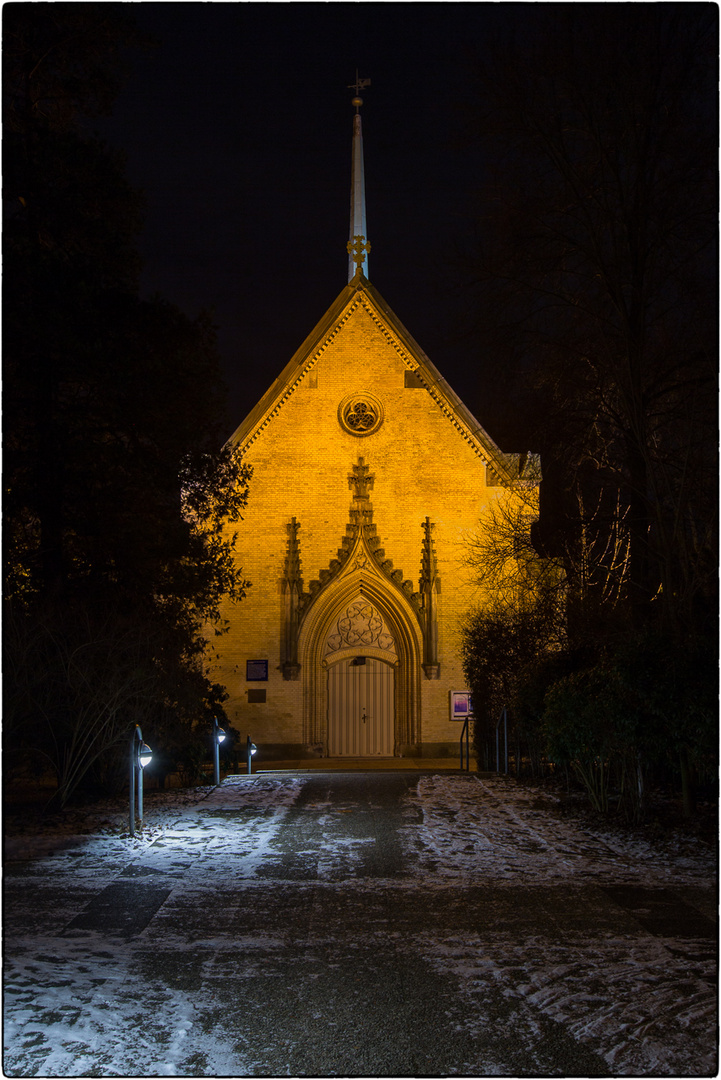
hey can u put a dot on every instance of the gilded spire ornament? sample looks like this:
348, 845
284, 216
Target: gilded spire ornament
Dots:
357, 246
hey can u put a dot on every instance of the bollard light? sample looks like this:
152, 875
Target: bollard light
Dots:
251, 749
140, 756
218, 737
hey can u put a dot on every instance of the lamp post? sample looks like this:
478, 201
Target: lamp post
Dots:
218, 737
140, 755
251, 748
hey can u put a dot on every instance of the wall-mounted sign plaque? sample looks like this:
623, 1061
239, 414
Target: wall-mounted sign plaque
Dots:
256, 670
461, 704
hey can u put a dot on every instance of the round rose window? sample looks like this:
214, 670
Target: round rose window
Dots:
361, 413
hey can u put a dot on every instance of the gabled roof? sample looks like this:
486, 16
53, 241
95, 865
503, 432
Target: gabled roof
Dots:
504, 467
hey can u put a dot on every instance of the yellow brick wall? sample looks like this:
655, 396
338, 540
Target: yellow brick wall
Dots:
422, 467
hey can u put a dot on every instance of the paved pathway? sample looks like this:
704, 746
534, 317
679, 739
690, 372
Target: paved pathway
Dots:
370, 924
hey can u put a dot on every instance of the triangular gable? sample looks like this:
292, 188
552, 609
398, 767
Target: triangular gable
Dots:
360, 292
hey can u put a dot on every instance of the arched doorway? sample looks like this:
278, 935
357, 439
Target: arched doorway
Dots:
361, 615
361, 711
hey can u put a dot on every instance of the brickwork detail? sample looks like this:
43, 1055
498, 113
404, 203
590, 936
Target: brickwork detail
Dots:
362, 301
424, 460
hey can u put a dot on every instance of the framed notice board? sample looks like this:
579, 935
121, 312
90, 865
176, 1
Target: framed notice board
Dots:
256, 670
461, 704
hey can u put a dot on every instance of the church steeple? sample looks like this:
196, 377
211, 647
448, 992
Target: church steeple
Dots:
358, 246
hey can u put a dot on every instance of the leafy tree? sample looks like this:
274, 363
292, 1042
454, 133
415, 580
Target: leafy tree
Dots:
497, 646
119, 500
595, 280
521, 616
640, 703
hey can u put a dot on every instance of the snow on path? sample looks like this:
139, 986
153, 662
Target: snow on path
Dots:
638, 1006
78, 1002
496, 834
635, 999
75, 1010
79, 1006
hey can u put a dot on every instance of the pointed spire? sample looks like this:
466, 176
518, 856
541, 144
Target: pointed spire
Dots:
358, 246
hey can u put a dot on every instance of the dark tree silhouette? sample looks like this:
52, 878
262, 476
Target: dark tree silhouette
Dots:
116, 482
595, 280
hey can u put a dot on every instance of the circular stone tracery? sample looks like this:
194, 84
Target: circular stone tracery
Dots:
361, 413
361, 625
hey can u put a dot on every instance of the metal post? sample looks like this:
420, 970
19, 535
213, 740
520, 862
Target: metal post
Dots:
137, 750
504, 718
138, 742
464, 731
216, 753
140, 785
498, 760
133, 767
249, 754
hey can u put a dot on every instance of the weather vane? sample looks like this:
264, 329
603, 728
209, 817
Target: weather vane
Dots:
358, 85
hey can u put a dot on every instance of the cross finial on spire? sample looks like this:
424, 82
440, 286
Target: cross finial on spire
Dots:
358, 248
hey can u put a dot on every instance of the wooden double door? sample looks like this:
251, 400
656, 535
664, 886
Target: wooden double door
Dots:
361, 708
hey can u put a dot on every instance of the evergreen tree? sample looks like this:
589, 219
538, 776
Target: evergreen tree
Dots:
116, 482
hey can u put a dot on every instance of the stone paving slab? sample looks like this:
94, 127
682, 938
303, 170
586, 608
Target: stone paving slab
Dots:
387, 923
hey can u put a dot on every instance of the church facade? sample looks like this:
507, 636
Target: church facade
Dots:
368, 472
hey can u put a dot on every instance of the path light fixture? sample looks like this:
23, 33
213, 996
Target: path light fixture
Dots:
218, 738
250, 750
140, 756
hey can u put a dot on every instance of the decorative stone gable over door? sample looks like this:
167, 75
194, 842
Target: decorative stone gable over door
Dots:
361, 659
359, 609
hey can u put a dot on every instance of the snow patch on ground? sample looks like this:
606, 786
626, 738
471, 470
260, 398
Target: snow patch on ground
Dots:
82, 1007
489, 830
632, 1001
82, 1002
87, 1012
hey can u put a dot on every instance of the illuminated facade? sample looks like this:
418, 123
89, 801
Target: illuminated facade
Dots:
368, 473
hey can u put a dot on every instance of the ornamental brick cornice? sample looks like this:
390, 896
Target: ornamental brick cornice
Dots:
291, 387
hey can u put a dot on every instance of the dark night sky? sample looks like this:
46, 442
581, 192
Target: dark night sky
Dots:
238, 129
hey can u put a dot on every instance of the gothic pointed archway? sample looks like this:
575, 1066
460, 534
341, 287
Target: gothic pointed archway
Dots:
358, 616
360, 609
